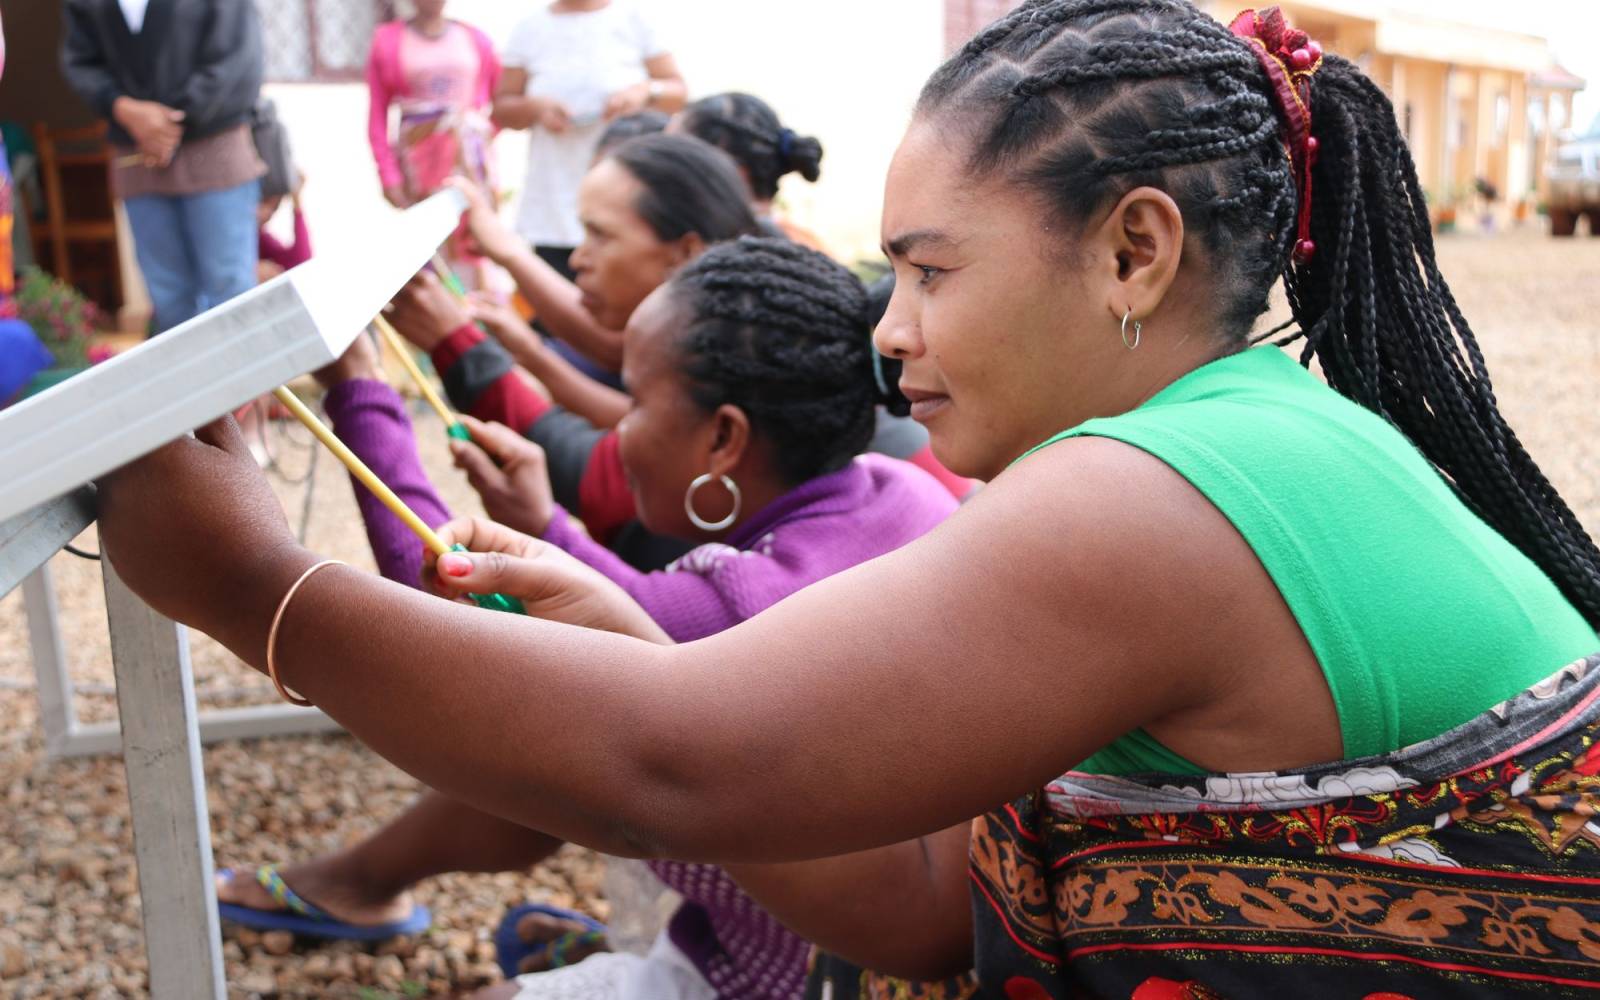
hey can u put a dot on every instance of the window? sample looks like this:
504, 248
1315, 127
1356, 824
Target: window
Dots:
318, 40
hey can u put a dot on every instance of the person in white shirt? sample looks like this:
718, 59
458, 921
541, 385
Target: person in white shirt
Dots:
571, 67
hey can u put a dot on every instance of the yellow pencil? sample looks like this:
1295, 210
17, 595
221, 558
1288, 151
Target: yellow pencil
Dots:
448, 277
359, 469
398, 345
386, 496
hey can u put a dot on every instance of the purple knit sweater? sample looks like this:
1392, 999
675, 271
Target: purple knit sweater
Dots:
828, 524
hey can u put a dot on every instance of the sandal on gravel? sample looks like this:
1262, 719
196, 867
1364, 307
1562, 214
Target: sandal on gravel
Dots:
511, 950
303, 918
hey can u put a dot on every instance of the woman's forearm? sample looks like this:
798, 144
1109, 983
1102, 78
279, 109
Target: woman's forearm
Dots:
902, 910
559, 306
514, 111
569, 388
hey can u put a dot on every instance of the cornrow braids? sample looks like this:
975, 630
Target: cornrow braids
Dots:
747, 129
1081, 101
782, 332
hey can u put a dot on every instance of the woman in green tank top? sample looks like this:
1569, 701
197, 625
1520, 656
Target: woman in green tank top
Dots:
1282, 680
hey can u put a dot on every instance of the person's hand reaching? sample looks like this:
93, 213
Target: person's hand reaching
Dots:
550, 583
360, 361
503, 324
425, 312
509, 473
493, 237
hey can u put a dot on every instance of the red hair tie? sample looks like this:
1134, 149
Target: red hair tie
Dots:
1290, 58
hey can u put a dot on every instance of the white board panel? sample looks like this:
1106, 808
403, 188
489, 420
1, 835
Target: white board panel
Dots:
141, 399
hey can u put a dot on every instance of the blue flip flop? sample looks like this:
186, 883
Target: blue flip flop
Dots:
303, 918
511, 950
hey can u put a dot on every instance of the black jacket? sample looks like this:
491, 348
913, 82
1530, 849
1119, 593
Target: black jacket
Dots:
202, 57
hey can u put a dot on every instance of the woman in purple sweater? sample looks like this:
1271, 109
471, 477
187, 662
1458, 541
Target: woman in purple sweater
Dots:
753, 398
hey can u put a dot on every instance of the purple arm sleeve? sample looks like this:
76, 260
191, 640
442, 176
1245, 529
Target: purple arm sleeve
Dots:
371, 419
685, 603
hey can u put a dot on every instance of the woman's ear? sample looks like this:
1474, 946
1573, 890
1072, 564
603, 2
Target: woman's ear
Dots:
686, 248
730, 440
1142, 245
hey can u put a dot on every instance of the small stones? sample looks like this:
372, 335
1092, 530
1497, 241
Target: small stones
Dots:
277, 942
388, 971
13, 961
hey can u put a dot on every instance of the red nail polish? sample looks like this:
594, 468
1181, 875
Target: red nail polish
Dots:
454, 565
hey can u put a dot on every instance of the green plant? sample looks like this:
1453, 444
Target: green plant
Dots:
61, 317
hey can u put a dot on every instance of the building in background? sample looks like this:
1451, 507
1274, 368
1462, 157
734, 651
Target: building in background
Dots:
1476, 102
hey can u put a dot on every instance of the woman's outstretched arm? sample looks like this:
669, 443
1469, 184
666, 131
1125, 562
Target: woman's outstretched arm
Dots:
557, 301
570, 388
1075, 599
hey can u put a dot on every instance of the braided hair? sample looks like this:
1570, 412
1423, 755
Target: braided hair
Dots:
1081, 101
782, 332
747, 129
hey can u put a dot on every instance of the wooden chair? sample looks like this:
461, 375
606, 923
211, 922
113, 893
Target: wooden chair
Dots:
77, 238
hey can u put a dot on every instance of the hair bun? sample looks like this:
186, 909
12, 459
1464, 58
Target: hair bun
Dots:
800, 153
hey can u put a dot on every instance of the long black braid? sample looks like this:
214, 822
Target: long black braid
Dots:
783, 333
1082, 101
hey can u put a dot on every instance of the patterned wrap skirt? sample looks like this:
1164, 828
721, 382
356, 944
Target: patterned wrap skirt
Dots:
1464, 866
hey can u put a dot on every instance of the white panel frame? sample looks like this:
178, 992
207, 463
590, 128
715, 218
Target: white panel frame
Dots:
141, 399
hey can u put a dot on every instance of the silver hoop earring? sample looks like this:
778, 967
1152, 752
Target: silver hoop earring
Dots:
1138, 328
700, 522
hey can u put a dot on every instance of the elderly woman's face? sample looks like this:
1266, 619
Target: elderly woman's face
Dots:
621, 259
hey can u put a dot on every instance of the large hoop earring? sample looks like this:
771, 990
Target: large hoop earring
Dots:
700, 522
1138, 329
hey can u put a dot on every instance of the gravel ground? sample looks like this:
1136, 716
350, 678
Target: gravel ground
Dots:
69, 909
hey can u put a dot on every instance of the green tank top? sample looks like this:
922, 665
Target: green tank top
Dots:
1420, 615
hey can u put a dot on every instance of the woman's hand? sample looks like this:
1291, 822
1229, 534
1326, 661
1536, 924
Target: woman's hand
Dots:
550, 583
360, 361
395, 196
552, 115
509, 473
502, 322
156, 129
425, 312
627, 101
194, 530
494, 239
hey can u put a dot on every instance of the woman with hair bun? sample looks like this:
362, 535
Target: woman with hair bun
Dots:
747, 129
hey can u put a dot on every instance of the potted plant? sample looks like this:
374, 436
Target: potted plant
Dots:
62, 319
1442, 206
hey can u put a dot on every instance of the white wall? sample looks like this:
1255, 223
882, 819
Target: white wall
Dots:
846, 71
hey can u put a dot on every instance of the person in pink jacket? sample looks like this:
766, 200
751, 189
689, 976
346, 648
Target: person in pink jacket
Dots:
442, 74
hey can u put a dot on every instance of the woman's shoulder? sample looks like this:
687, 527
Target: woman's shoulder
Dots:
388, 31
385, 49
900, 481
